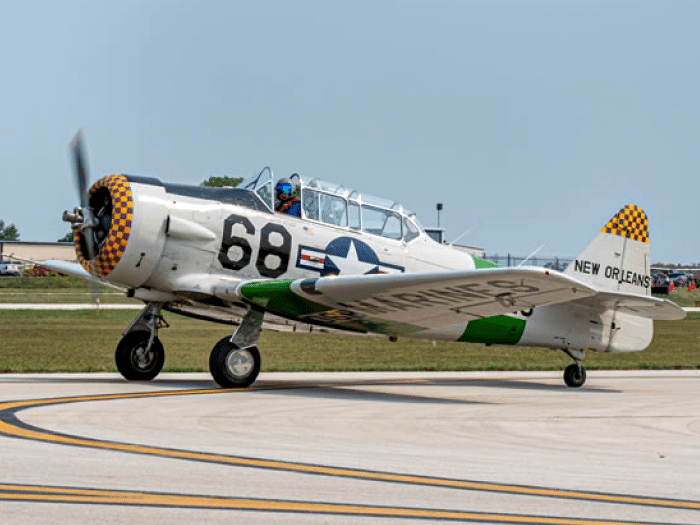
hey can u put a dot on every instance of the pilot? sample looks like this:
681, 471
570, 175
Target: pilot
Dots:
285, 201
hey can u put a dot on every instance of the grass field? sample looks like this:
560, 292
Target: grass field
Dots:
84, 341
55, 289
683, 297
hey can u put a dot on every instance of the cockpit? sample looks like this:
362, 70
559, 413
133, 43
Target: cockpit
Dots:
334, 205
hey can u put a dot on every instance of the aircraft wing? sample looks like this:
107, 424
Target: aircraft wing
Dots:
405, 303
643, 306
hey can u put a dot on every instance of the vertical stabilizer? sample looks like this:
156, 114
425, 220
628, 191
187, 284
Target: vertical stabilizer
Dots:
618, 258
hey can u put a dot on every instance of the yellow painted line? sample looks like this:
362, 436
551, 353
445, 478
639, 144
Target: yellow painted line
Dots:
90, 496
39, 435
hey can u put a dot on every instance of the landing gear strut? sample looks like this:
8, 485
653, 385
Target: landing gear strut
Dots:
575, 374
140, 355
235, 361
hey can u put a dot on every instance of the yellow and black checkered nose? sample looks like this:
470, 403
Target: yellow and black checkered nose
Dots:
113, 244
630, 222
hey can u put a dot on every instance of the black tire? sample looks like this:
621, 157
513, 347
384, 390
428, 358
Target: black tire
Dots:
575, 376
132, 360
233, 367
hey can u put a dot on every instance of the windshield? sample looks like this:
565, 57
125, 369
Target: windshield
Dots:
335, 205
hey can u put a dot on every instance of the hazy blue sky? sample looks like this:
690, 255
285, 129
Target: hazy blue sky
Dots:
532, 121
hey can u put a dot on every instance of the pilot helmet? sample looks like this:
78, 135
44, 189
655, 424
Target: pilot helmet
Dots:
283, 187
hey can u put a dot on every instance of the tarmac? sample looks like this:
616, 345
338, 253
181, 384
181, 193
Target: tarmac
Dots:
346, 448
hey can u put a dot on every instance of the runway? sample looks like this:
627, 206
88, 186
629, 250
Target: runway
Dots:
352, 448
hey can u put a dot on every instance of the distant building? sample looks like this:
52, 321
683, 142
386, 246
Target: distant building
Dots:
438, 235
37, 251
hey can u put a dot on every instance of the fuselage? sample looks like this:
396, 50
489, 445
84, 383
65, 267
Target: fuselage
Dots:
195, 242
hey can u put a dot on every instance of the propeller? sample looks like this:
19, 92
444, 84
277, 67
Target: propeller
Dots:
82, 217
81, 175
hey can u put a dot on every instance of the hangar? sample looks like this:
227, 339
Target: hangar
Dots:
37, 251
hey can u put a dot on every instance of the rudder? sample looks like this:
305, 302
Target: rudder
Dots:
618, 258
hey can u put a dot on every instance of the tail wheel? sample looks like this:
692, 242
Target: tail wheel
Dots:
134, 361
575, 375
234, 367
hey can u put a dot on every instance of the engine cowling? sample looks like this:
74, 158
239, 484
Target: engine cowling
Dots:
128, 233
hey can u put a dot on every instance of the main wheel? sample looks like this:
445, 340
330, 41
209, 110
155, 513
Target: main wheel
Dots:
233, 367
574, 375
134, 362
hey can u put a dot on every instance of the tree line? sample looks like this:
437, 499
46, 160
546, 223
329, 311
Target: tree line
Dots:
8, 232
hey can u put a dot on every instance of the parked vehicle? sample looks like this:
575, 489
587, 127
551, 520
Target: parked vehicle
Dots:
678, 278
10, 268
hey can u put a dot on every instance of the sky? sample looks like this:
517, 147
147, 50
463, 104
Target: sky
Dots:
533, 122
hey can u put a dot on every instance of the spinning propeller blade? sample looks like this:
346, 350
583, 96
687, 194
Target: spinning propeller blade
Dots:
87, 228
81, 175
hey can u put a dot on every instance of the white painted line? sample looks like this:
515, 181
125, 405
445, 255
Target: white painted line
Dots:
68, 306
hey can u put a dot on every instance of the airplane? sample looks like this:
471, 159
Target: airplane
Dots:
318, 253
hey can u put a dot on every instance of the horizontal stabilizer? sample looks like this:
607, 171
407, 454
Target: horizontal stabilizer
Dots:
643, 306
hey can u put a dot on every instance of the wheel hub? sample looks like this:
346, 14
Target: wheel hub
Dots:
143, 359
240, 362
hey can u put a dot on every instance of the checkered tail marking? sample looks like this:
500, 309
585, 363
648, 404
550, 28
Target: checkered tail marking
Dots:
630, 222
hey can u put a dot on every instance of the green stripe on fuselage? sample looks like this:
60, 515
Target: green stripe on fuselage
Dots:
481, 263
497, 330
278, 297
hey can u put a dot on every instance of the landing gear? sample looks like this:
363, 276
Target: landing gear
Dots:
235, 361
140, 355
233, 367
136, 359
575, 374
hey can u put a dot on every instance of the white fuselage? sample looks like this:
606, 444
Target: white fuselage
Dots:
183, 243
